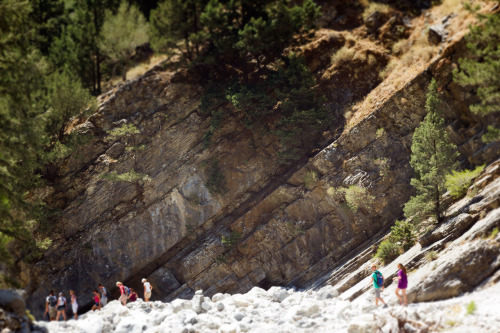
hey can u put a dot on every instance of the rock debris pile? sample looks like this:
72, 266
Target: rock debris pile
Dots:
285, 310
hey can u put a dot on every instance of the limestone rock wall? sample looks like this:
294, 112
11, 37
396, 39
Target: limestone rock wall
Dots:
166, 223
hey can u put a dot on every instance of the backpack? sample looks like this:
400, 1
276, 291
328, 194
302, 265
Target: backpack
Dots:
105, 293
126, 290
380, 279
52, 301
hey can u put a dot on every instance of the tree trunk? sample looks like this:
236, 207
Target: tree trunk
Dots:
437, 207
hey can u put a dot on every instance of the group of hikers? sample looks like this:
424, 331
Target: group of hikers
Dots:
55, 307
378, 284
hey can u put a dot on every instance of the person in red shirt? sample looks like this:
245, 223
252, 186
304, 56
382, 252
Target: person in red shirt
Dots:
123, 295
133, 295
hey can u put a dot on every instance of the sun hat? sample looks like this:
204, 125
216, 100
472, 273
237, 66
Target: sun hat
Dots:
143, 280
118, 283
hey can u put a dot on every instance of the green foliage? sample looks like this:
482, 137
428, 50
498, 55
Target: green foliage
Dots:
433, 157
77, 46
231, 239
215, 179
176, 20
229, 30
492, 134
387, 251
122, 33
125, 129
66, 98
301, 107
471, 308
22, 138
431, 255
458, 182
131, 177
357, 197
493, 233
380, 132
403, 234
401, 238
480, 69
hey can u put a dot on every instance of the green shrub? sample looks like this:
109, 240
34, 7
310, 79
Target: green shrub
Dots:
403, 234
358, 197
130, 176
387, 251
380, 132
471, 308
493, 233
216, 182
431, 255
492, 134
231, 240
458, 182
117, 133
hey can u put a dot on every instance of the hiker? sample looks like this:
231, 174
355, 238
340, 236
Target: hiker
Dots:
133, 295
74, 304
50, 306
123, 294
104, 295
97, 301
402, 284
61, 307
147, 290
378, 283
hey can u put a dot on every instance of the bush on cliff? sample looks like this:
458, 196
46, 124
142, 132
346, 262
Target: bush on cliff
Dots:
401, 239
458, 182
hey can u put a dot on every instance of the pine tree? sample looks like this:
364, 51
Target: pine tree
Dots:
122, 33
433, 157
481, 68
22, 136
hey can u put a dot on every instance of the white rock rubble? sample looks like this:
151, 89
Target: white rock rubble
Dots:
282, 310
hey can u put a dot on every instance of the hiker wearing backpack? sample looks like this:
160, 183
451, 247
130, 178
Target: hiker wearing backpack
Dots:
402, 284
147, 289
378, 283
50, 306
124, 293
104, 295
61, 307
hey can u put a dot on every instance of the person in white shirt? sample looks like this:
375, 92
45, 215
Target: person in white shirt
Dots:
74, 304
61, 307
147, 289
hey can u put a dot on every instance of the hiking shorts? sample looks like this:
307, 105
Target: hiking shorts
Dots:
52, 313
123, 298
74, 307
377, 292
147, 295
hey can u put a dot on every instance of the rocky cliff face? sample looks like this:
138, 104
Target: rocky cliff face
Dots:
153, 202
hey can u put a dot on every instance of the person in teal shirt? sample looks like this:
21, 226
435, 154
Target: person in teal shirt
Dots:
376, 286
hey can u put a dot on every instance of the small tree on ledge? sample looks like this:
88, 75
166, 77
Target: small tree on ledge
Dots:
433, 157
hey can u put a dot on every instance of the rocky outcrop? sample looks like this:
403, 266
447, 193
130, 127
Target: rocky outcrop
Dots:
13, 315
149, 200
